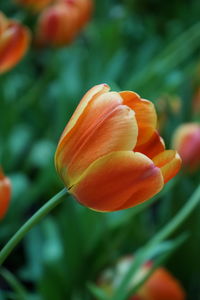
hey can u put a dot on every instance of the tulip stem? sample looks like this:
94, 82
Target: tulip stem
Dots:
163, 234
35, 219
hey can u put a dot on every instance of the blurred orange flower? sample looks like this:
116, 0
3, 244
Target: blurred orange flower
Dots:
35, 5
59, 24
110, 155
84, 8
14, 41
186, 140
161, 285
5, 194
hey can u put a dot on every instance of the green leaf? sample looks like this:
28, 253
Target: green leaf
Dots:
17, 287
97, 292
144, 253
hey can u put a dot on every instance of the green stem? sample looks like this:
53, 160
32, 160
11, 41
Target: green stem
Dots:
143, 254
173, 246
178, 220
35, 219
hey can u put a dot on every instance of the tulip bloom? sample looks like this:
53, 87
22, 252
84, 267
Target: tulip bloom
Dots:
59, 24
35, 5
5, 194
84, 8
110, 155
14, 41
161, 285
186, 140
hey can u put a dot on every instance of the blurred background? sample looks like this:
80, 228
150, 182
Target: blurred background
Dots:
147, 46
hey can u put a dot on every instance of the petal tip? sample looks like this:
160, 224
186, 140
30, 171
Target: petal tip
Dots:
169, 161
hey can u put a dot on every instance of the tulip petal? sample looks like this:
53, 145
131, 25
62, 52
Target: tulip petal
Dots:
118, 180
13, 45
3, 23
84, 7
152, 147
57, 25
186, 141
169, 162
114, 131
118, 131
96, 108
94, 92
145, 115
162, 285
5, 193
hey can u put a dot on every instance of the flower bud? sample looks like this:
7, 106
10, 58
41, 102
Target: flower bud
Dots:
161, 285
14, 41
186, 140
111, 142
5, 194
84, 9
57, 25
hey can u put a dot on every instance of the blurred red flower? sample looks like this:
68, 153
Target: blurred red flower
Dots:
186, 140
84, 8
14, 42
161, 285
5, 194
59, 24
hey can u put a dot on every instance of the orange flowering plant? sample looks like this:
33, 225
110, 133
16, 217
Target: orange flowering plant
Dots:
59, 24
5, 194
186, 140
161, 285
83, 7
111, 141
111, 157
14, 42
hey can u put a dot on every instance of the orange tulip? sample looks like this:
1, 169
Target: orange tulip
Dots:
84, 8
35, 5
161, 285
59, 24
14, 41
186, 140
5, 194
110, 155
